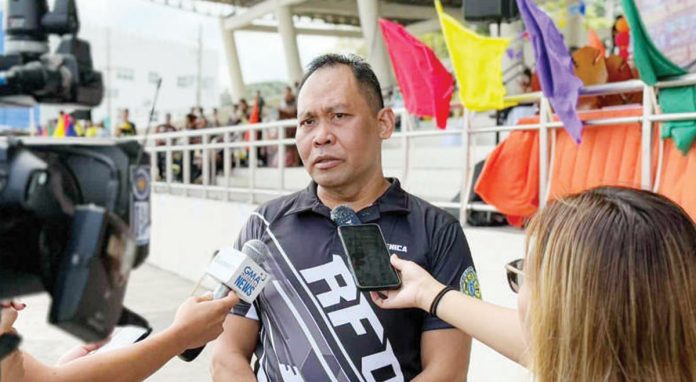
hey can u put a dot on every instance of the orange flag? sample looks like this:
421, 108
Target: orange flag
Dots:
594, 41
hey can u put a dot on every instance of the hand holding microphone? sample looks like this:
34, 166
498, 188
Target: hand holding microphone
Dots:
199, 319
235, 271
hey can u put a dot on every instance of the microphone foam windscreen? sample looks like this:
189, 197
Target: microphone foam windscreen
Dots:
257, 250
344, 215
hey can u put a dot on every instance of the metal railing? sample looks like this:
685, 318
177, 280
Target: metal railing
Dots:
215, 139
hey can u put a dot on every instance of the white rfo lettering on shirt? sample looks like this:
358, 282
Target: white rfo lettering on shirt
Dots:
353, 315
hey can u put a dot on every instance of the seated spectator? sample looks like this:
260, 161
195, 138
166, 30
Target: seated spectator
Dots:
125, 127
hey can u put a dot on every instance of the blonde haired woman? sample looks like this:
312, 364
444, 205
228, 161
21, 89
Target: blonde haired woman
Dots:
607, 293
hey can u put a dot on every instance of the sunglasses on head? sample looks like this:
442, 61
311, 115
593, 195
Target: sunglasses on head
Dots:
515, 274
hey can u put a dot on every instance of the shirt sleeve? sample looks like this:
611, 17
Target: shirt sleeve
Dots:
253, 229
451, 264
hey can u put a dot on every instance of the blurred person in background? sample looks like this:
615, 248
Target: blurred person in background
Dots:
166, 127
125, 127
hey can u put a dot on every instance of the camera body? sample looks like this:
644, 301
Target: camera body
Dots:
74, 221
29, 69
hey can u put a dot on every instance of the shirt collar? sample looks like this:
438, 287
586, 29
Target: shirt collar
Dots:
394, 199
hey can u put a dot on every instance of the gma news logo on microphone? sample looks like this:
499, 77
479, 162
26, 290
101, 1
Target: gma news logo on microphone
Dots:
238, 272
249, 280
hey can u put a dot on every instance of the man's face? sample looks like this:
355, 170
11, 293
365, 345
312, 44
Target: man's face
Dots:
339, 135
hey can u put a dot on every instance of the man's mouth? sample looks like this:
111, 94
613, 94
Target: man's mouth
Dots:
326, 162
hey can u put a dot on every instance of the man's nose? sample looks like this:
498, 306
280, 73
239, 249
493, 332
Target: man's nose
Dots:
324, 135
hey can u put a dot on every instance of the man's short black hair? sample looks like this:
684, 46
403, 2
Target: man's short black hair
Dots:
362, 71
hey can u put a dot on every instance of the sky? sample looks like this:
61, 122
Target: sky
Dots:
159, 22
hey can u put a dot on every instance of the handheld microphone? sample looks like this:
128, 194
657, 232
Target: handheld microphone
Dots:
237, 271
344, 215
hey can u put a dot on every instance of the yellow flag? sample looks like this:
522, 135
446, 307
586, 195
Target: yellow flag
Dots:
59, 132
477, 63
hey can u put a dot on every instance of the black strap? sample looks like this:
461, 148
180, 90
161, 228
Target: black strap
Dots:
4, 165
438, 297
9, 342
128, 317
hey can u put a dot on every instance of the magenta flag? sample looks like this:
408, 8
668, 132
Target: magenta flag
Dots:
424, 82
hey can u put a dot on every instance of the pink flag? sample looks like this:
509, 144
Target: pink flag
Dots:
424, 82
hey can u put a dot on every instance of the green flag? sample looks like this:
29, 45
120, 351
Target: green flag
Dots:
653, 66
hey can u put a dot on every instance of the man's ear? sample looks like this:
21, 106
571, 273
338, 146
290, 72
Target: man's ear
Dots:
386, 120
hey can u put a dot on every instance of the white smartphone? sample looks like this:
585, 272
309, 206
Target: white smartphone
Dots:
125, 336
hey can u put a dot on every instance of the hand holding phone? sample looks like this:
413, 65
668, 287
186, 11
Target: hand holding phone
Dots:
368, 257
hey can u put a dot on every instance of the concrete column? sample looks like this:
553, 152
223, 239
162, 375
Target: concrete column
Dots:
237, 88
376, 51
286, 29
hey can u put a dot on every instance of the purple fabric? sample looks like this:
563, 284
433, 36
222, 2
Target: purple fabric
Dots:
554, 66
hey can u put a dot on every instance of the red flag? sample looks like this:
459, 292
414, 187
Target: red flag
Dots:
424, 82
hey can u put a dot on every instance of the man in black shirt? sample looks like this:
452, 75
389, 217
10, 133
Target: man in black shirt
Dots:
311, 323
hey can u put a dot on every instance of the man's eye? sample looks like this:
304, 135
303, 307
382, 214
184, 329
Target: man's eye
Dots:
340, 115
307, 122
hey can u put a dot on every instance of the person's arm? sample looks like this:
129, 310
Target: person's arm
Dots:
232, 351
444, 355
12, 366
444, 349
497, 327
133, 363
197, 322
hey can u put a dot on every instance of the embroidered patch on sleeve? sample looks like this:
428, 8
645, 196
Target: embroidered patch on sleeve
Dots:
469, 283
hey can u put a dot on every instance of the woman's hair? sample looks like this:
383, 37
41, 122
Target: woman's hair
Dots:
612, 277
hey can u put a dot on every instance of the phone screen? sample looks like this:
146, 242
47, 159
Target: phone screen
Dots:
126, 336
369, 257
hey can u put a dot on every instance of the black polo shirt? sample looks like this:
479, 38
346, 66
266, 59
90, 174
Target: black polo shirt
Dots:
315, 324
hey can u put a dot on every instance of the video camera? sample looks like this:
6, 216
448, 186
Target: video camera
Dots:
28, 69
74, 220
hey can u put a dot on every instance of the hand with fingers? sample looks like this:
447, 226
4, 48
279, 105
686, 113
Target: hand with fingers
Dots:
418, 288
11, 366
199, 319
10, 311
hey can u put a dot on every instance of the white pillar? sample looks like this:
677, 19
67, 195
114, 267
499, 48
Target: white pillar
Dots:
286, 29
376, 51
237, 88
